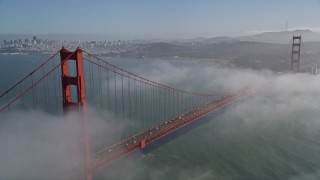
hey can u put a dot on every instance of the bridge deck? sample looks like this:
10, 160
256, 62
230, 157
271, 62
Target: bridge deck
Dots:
140, 140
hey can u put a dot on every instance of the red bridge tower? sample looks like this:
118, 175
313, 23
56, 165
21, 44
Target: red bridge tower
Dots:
80, 104
295, 54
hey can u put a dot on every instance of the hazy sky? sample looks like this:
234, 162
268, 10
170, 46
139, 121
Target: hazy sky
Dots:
156, 18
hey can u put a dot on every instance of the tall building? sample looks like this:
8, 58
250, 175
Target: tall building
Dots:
34, 40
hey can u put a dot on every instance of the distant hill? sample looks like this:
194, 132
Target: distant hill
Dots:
212, 40
282, 36
221, 39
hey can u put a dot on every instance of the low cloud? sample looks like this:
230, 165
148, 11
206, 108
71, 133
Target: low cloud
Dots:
38, 145
203, 77
34, 145
275, 127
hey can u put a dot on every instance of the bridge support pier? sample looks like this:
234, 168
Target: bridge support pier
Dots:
80, 103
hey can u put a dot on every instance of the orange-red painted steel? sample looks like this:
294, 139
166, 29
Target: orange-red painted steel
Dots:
80, 103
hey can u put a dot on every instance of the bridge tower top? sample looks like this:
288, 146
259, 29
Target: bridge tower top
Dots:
68, 80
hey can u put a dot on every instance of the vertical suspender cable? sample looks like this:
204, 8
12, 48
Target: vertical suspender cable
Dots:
36, 94
93, 92
55, 88
148, 104
159, 103
48, 93
173, 105
108, 90
169, 103
129, 99
154, 103
122, 97
115, 92
44, 89
165, 103
33, 92
140, 106
135, 105
90, 83
100, 86
129, 106
145, 104
21, 99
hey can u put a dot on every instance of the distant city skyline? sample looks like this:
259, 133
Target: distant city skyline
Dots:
151, 19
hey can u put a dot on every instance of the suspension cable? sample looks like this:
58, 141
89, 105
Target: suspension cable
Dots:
36, 69
144, 79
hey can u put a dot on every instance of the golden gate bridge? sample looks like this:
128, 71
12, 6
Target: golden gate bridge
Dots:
67, 83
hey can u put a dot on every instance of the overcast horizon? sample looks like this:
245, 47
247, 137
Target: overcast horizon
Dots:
103, 37
145, 19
